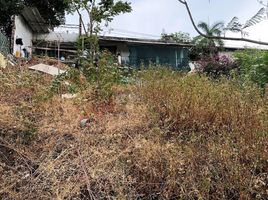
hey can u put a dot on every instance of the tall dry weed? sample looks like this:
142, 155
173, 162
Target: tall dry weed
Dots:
168, 136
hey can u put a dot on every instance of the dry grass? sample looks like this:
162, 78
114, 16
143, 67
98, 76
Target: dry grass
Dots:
166, 137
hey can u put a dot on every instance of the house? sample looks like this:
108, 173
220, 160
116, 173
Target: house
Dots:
26, 28
32, 35
132, 51
136, 52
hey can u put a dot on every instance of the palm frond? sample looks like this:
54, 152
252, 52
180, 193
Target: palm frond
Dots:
204, 26
233, 25
216, 28
217, 25
215, 32
255, 19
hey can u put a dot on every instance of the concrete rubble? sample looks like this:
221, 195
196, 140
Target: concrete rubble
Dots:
3, 61
48, 69
68, 96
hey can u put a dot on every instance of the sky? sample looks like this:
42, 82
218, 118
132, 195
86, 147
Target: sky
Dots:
150, 18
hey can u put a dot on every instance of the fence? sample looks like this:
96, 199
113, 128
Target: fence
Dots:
4, 44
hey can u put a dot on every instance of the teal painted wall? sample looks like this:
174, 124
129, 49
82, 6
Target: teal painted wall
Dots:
176, 57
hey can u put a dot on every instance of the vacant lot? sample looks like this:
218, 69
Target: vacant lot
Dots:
163, 136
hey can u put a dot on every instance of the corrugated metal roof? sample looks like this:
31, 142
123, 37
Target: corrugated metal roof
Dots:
143, 41
34, 19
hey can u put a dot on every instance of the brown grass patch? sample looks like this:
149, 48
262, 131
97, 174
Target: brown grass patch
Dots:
166, 137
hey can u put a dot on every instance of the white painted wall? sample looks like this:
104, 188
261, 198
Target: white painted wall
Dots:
22, 30
55, 36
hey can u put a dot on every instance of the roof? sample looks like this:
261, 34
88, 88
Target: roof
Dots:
236, 47
143, 41
34, 19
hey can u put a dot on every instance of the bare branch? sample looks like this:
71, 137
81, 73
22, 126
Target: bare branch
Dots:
184, 2
83, 24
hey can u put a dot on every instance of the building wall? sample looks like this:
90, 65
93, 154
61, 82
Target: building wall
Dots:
144, 54
175, 57
22, 30
117, 48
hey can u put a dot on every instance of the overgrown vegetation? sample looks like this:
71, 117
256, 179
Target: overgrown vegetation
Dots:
179, 37
217, 66
165, 136
253, 66
53, 11
98, 11
103, 75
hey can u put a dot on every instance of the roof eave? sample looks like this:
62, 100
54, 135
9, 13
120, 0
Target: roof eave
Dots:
34, 19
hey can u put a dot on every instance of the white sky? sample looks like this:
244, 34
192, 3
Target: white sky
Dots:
150, 17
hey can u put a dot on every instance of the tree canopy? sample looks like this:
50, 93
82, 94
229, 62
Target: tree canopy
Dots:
237, 26
179, 37
204, 45
99, 10
53, 11
7, 10
210, 30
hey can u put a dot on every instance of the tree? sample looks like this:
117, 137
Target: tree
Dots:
7, 10
99, 11
235, 26
265, 5
207, 45
213, 30
53, 11
184, 2
179, 37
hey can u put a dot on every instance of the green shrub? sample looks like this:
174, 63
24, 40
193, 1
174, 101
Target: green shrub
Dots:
72, 81
253, 66
104, 74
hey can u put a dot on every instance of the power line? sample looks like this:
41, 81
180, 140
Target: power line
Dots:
75, 26
129, 33
137, 33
